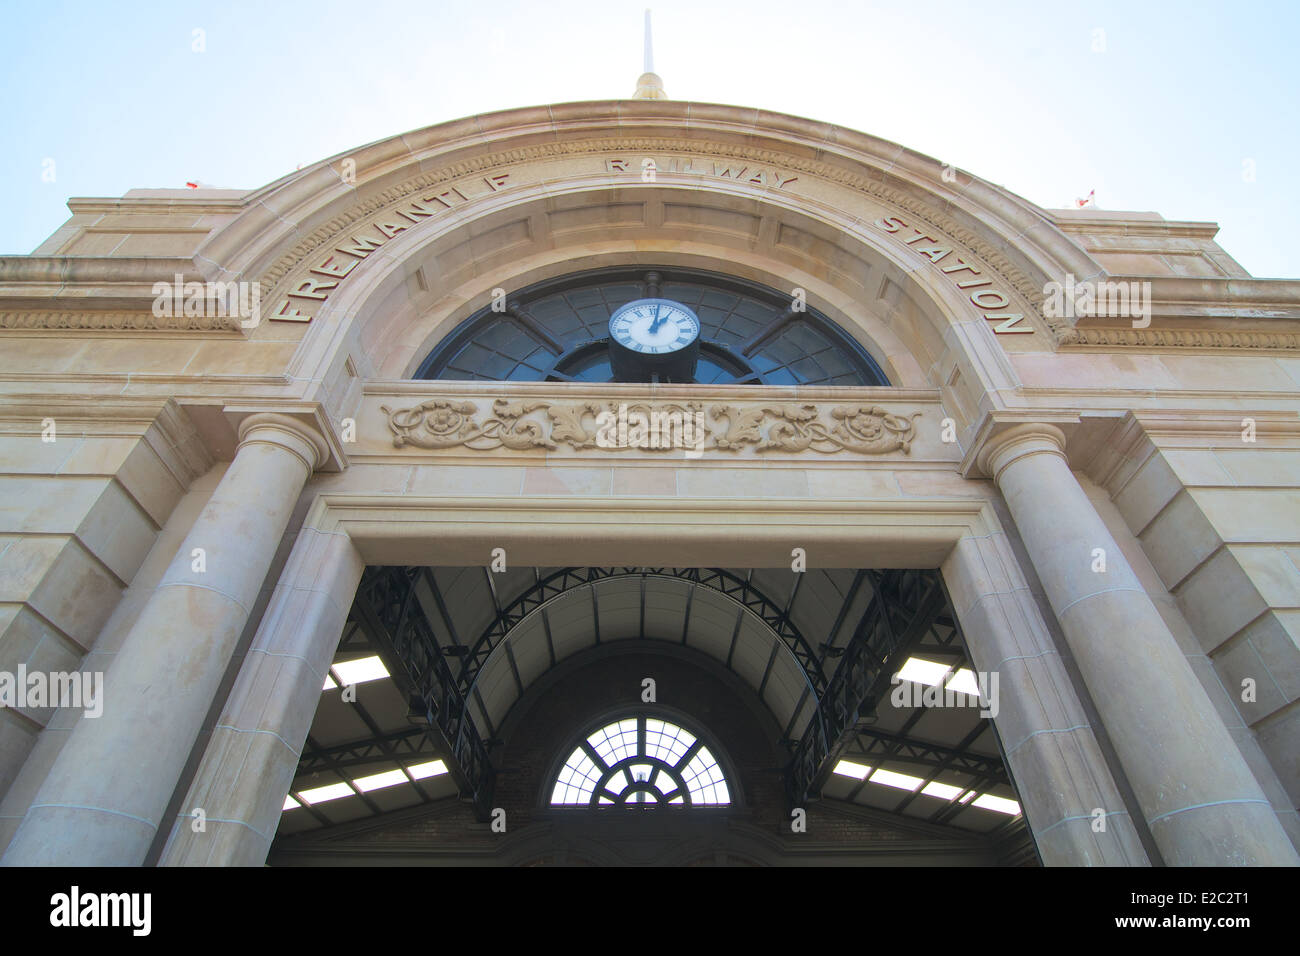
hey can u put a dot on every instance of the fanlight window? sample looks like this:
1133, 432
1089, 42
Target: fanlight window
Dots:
641, 760
558, 331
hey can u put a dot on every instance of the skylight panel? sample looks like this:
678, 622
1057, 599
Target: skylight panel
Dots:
941, 790
964, 682
377, 781
899, 781
334, 791
358, 671
847, 768
919, 671
433, 768
998, 804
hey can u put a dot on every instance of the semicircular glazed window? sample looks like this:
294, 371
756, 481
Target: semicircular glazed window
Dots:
558, 331
641, 761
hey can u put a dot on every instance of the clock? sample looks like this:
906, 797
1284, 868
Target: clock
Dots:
654, 340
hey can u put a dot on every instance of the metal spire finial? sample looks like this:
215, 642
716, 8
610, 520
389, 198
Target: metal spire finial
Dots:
649, 46
649, 86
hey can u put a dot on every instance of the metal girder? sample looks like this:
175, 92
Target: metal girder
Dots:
404, 742
904, 606
388, 608
352, 784
545, 590
880, 744
826, 648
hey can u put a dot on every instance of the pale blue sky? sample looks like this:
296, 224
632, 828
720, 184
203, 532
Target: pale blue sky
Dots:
1165, 118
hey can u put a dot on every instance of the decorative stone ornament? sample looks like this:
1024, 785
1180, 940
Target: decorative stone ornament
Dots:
443, 424
656, 426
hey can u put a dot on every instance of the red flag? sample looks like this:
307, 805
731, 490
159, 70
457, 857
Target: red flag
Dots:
1089, 200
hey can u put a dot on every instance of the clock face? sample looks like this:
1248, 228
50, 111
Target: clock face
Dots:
654, 326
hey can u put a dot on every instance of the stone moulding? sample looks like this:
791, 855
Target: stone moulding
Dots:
117, 322
1180, 338
654, 426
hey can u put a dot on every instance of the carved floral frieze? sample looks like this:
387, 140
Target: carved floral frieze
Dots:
652, 426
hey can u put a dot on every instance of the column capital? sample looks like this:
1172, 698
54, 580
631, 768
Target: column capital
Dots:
269, 428
1019, 441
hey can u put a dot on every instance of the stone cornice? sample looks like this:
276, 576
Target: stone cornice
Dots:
1121, 227
1215, 425
1214, 313
97, 294
1107, 338
24, 272
200, 205
120, 415
95, 321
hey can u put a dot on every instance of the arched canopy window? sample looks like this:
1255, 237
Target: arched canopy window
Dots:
641, 760
558, 331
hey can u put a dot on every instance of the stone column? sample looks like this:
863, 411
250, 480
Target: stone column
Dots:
250, 762
106, 792
1060, 772
1200, 800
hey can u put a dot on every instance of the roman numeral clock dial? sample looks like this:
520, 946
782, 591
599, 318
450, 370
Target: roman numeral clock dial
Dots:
654, 340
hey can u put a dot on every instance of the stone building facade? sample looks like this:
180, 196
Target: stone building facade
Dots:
213, 424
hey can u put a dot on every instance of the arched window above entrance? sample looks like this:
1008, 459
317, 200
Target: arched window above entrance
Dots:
558, 331
641, 760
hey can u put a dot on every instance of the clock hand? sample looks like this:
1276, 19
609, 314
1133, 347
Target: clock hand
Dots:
654, 326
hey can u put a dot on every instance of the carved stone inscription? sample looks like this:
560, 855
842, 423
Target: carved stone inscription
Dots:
307, 294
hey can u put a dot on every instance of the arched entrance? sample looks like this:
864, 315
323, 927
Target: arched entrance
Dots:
827, 730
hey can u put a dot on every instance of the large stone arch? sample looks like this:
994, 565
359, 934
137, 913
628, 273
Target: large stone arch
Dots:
513, 197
